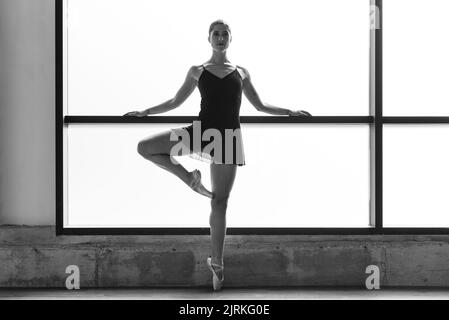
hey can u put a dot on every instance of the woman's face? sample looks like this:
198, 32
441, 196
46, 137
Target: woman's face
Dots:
220, 37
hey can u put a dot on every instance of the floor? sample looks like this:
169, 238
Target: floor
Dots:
226, 294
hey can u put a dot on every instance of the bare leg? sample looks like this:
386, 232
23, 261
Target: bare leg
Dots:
223, 176
157, 149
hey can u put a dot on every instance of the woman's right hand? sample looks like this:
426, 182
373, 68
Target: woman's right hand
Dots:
136, 114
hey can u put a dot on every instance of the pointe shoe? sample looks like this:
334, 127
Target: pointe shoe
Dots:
197, 186
217, 283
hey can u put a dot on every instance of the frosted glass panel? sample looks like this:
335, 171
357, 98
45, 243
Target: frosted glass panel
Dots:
415, 60
295, 176
416, 175
125, 55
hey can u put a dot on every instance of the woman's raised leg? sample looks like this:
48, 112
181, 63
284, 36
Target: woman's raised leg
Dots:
157, 149
223, 176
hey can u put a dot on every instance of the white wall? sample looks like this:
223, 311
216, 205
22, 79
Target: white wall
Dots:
27, 104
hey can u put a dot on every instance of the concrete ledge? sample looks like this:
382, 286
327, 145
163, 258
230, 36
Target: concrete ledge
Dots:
35, 257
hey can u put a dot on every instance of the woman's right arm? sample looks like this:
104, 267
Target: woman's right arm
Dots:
183, 93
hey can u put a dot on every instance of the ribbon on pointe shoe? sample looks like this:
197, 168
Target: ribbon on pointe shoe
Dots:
196, 179
216, 282
196, 184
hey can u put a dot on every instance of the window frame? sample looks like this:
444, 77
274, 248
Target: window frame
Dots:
375, 120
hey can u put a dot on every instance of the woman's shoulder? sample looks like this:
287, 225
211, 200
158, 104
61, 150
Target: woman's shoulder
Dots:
195, 71
243, 72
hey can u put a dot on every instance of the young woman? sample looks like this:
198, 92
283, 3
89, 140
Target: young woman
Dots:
221, 85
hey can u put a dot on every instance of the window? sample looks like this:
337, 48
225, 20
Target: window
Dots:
111, 186
346, 170
416, 175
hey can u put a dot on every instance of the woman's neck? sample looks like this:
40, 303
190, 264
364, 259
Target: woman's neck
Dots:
219, 58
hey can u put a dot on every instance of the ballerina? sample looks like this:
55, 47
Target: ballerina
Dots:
221, 85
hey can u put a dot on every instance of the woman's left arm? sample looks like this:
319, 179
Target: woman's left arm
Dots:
253, 97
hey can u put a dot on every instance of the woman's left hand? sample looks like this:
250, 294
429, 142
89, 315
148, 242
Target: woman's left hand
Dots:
299, 113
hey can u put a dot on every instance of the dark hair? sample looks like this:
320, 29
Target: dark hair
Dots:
219, 21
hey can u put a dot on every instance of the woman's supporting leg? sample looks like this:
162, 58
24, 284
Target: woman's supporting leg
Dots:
157, 149
223, 176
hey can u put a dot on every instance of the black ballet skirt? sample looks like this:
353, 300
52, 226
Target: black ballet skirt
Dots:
216, 136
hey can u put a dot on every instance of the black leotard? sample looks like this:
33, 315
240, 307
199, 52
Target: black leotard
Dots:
220, 108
